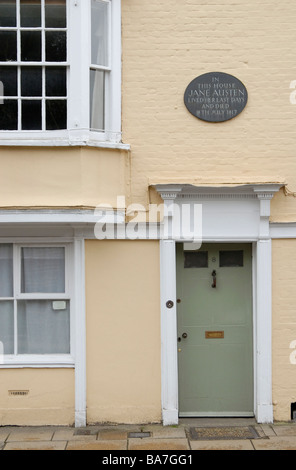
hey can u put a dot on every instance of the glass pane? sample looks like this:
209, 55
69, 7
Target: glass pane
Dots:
6, 270
8, 81
55, 14
8, 115
43, 327
8, 46
230, 259
31, 46
99, 32
56, 81
30, 13
195, 259
97, 105
55, 46
31, 115
7, 13
43, 270
31, 81
6, 326
56, 114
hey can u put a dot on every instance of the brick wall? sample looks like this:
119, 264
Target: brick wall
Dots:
168, 43
284, 327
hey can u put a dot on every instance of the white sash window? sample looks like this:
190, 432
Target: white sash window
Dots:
60, 72
35, 304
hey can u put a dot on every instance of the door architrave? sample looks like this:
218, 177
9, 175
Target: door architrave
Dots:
229, 214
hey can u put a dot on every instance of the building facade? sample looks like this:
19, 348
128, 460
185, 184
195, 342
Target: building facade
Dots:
147, 255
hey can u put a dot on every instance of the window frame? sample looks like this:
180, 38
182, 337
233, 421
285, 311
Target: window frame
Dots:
78, 64
35, 360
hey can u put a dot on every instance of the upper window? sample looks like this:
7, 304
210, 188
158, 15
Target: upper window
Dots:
33, 55
58, 71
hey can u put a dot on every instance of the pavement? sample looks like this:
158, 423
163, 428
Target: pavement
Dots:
181, 437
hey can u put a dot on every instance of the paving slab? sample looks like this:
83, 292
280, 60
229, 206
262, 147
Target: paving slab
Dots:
267, 429
30, 434
68, 435
222, 445
282, 430
158, 444
97, 445
4, 433
37, 445
165, 432
114, 435
276, 443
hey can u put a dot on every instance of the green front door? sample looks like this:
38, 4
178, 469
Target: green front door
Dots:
215, 347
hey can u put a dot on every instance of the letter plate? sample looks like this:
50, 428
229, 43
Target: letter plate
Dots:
214, 334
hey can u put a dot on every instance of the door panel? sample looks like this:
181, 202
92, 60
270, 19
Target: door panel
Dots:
215, 374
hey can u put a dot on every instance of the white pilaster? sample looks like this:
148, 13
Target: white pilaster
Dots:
80, 331
169, 359
264, 408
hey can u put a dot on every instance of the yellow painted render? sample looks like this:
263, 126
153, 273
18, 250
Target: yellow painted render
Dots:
50, 400
62, 177
123, 331
284, 327
165, 46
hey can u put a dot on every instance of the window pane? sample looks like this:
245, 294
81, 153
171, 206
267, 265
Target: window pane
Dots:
195, 259
231, 259
6, 270
8, 79
30, 13
31, 115
8, 46
31, 82
8, 115
7, 13
55, 14
31, 46
97, 105
99, 32
56, 81
56, 114
43, 270
43, 327
55, 46
6, 326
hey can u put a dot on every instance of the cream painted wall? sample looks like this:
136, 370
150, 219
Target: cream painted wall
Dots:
166, 45
284, 327
123, 331
50, 400
62, 177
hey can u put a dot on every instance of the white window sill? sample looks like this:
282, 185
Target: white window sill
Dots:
38, 361
77, 138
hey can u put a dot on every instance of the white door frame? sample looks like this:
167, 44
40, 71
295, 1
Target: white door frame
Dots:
232, 214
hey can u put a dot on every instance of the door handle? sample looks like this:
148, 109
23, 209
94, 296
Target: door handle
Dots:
214, 274
184, 335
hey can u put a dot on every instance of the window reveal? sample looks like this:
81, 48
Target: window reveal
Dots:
33, 64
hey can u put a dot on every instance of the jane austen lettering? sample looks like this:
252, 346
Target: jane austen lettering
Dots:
215, 97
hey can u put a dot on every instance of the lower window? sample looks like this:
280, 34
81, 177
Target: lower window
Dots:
34, 300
